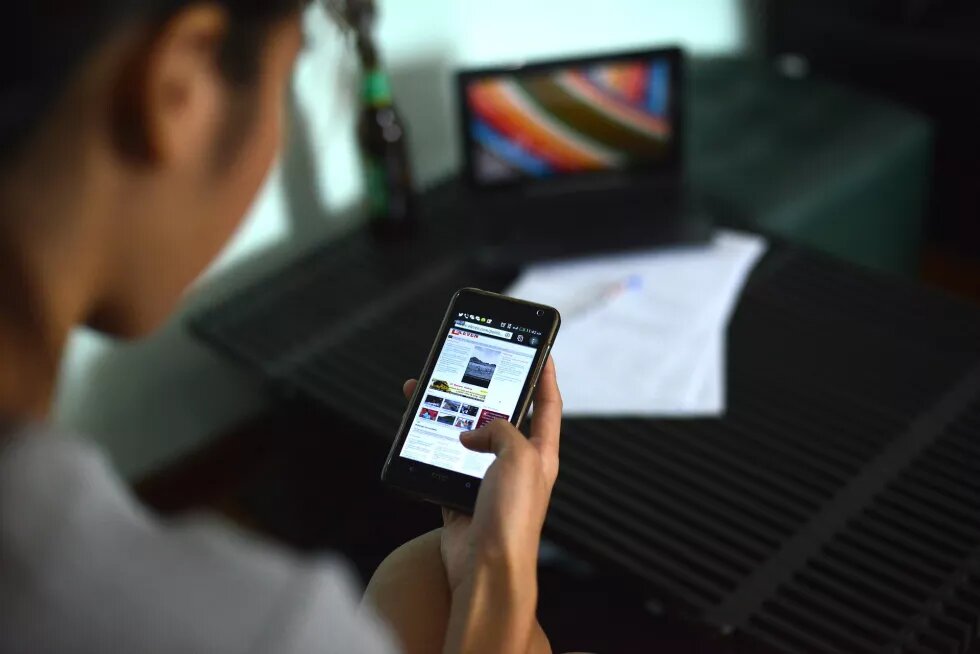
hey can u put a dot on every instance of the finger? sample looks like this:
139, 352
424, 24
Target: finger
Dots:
546, 424
408, 388
451, 516
498, 438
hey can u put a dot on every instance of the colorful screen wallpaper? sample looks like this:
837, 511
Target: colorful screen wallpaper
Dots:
598, 117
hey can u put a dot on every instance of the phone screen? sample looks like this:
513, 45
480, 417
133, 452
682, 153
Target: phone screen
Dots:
478, 377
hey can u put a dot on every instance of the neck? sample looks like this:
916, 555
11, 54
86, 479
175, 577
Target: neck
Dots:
46, 279
28, 374
31, 340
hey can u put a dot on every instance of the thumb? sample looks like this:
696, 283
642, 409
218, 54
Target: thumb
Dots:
498, 437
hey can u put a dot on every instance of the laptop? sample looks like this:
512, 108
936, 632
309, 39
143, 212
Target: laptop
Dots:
576, 156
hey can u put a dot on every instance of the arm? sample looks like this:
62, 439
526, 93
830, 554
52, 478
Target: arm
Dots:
494, 612
491, 558
410, 591
483, 597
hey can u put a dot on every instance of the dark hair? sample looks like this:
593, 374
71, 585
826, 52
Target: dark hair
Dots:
61, 33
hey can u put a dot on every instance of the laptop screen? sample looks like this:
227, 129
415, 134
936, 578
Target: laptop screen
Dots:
564, 119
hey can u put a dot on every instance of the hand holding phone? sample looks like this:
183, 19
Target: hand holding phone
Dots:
483, 368
513, 500
459, 446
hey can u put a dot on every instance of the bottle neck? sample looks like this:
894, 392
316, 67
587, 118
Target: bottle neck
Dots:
377, 89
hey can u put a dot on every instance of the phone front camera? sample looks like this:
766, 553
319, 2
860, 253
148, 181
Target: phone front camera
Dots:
540, 313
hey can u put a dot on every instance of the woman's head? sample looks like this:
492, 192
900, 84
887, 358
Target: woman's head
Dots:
133, 136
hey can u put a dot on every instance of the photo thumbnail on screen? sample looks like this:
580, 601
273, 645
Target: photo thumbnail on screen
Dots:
481, 366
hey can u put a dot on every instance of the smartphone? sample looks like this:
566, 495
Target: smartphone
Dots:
484, 366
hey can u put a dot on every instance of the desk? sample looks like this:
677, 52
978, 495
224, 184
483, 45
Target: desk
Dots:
835, 508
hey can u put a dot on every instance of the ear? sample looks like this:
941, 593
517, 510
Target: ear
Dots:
179, 90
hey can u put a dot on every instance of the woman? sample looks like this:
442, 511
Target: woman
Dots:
133, 136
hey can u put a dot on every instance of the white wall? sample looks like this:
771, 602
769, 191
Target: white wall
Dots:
513, 29
149, 402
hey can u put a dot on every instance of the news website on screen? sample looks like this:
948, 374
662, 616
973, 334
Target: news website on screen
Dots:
477, 378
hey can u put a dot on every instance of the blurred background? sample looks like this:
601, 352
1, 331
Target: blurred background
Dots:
845, 124
154, 400
844, 132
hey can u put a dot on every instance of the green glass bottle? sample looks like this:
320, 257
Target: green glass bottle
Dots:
384, 147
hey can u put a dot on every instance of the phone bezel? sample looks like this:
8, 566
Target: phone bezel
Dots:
439, 485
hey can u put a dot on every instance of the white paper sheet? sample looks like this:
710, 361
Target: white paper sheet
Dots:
643, 334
